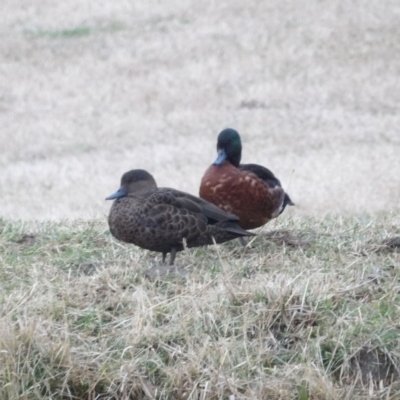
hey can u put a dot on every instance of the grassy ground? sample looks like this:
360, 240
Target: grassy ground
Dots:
310, 310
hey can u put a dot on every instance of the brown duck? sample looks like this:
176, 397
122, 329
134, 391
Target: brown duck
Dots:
250, 191
159, 219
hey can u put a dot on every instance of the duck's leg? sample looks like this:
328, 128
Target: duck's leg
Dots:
158, 272
173, 254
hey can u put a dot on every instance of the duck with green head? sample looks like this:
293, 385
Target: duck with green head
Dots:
250, 191
160, 219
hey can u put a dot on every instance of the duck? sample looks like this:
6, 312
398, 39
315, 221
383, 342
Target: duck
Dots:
250, 191
162, 219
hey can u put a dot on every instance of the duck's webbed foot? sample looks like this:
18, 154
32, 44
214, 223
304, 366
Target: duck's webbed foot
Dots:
164, 270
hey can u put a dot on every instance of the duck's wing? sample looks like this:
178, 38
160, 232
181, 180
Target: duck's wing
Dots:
263, 173
169, 219
171, 215
221, 226
268, 177
213, 213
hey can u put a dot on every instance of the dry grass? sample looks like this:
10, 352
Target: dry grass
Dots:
89, 90
309, 311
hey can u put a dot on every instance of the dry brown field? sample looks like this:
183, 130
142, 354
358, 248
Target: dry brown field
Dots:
89, 90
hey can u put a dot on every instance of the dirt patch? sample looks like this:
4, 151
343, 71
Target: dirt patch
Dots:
285, 237
87, 268
162, 272
27, 239
393, 243
387, 245
373, 365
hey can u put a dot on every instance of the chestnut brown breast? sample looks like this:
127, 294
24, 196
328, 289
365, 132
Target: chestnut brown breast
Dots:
241, 193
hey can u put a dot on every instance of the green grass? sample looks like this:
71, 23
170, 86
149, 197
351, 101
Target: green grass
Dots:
309, 310
74, 32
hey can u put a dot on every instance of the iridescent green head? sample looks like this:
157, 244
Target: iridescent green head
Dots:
229, 147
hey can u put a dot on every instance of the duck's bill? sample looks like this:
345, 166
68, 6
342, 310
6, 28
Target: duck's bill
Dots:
121, 192
221, 157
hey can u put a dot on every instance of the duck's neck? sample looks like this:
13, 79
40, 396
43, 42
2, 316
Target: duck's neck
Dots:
234, 158
224, 166
143, 189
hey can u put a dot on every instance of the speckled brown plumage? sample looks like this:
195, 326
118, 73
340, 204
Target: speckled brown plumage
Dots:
159, 219
250, 191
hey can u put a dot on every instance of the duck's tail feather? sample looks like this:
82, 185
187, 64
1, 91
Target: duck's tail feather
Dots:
234, 228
